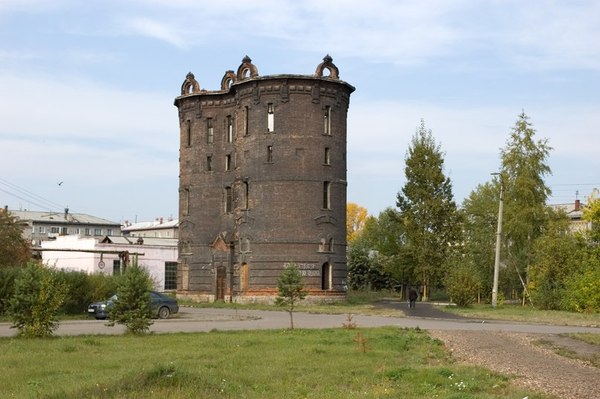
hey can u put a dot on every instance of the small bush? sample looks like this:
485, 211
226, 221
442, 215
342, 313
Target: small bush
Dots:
132, 307
463, 283
39, 293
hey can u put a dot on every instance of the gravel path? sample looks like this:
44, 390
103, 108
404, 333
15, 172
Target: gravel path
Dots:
530, 366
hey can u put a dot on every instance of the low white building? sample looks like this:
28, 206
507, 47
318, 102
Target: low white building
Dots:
107, 255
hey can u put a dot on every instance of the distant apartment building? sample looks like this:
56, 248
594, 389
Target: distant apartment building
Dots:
574, 211
40, 226
159, 228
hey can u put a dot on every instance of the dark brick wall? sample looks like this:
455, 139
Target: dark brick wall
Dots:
275, 180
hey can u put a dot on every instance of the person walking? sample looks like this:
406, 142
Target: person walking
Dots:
412, 298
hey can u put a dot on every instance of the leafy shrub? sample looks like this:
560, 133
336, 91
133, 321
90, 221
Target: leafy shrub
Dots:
582, 291
39, 293
463, 283
132, 307
84, 289
8, 275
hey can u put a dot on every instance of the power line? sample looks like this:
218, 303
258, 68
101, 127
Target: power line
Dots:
29, 196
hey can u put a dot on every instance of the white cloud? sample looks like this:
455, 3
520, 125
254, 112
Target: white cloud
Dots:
44, 107
156, 29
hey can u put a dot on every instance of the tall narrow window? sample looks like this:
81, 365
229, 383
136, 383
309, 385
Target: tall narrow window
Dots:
326, 157
229, 129
210, 133
330, 249
246, 189
270, 118
186, 202
269, 153
228, 162
188, 132
327, 195
327, 120
170, 275
209, 167
228, 199
246, 120
326, 276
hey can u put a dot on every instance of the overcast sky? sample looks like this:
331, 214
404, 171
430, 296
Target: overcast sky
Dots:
87, 90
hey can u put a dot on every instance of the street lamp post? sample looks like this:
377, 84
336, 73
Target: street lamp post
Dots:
498, 243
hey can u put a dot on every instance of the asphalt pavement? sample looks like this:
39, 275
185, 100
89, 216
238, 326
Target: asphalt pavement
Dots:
424, 316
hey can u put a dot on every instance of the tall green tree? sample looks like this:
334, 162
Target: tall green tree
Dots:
427, 209
14, 249
524, 166
480, 210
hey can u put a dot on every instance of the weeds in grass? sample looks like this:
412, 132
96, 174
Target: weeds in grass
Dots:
362, 343
404, 363
349, 324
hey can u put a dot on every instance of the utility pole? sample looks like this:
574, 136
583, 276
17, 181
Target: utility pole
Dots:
498, 242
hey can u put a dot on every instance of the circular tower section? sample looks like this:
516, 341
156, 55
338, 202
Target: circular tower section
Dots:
263, 183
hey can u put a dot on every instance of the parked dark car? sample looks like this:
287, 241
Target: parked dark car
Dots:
162, 306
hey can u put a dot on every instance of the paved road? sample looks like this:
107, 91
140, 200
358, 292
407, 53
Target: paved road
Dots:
202, 320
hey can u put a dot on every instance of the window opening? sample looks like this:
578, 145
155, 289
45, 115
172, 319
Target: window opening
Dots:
327, 120
170, 275
186, 202
246, 120
210, 133
227, 162
209, 167
326, 156
246, 189
269, 153
270, 118
229, 129
326, 276
228, 199
327, 195
116, 267
330, 249
188, 129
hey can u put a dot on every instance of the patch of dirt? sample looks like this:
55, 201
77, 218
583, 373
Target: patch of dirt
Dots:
530, 365
571, 347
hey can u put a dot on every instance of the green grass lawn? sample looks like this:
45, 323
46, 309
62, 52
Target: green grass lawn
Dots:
396, 363
525, 314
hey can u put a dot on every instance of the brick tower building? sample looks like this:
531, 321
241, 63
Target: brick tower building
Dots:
262, 183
